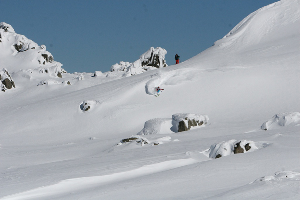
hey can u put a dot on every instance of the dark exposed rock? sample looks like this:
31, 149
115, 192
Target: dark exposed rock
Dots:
218, 156
18, 47
59, 75
182, 126
8, 83
247, 147
191, 123
129, 139
48, 58
238, 148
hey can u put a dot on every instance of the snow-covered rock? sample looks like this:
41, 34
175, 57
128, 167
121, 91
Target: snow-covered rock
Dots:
154, 57
16, 49
186, 121
230, 147
151, 59
88, 105
6, 80
178, 123
283, 119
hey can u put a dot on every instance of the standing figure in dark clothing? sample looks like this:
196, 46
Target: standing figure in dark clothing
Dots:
177, 58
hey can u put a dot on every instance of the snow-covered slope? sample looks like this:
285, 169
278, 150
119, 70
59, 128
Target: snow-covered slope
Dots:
79, 141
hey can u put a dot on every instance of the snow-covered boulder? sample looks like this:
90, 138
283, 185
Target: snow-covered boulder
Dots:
152, 59
178, 123
283, 119
6, 80
98, 74
88, 105
186, 121
157, 126
230, 147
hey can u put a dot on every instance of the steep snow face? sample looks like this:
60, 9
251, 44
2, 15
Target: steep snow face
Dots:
265, 37
269, 23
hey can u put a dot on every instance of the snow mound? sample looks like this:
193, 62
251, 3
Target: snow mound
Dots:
227, 148
152, 59
178, 123
280, 120
279, 176
157, 126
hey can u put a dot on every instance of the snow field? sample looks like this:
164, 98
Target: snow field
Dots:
53, 147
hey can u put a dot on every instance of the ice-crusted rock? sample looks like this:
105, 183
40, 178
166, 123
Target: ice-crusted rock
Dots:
6, 80
283, 119
186, 121
152, 59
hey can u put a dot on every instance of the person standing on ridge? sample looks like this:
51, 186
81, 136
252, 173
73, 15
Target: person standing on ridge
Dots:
177, 58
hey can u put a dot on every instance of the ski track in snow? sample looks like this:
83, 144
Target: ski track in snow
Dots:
79, 184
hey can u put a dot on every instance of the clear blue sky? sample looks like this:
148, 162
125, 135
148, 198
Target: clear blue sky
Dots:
92, 35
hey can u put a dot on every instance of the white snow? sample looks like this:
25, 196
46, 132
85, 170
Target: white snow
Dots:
53, 147
283, 119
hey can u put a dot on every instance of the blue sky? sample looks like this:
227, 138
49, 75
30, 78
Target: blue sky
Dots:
92, 35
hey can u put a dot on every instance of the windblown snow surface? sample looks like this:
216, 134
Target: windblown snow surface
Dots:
62, 138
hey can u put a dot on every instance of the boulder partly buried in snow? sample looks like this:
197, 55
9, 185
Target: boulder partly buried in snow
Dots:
178, 123
280, 120
88, 105
6, 80
230, 147
185, 121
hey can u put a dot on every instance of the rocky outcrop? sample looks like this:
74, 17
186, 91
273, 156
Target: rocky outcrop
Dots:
6, 80
152, 59
178, 123
230, 147
185, 121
